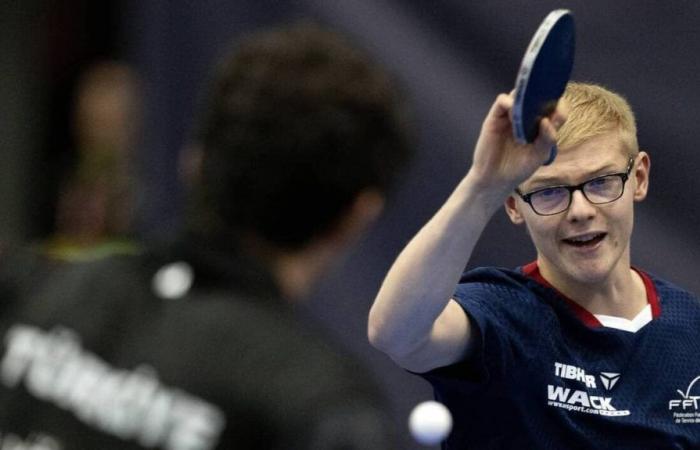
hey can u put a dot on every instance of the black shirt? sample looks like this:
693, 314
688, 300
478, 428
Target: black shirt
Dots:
95, 356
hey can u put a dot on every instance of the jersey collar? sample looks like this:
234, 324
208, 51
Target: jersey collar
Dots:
532, 270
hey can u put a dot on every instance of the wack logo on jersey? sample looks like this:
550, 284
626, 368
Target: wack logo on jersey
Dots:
583, 400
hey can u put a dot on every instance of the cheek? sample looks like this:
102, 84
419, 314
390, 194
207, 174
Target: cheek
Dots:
623, 214
620, 222
541, 231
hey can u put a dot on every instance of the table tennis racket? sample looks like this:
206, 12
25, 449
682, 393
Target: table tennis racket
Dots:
544, 73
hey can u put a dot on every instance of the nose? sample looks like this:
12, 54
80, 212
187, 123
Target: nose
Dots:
580, 209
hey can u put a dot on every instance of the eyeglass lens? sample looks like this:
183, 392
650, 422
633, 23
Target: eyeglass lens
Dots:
599, 190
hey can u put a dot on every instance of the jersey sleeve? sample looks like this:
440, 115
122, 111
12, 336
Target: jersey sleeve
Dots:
500, 310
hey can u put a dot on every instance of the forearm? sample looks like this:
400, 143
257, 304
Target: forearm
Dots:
412, 318
424, 276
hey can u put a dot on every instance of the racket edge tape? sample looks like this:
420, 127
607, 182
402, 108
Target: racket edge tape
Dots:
554, 18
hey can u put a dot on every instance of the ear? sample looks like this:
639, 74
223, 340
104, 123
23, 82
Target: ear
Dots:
641, 176
513, 210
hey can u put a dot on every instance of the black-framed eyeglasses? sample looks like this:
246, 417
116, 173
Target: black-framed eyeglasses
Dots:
553, 200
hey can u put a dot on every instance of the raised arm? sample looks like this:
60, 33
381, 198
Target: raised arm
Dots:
413, 319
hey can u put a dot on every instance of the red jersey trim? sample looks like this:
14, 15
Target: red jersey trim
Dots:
652, 294
532, 270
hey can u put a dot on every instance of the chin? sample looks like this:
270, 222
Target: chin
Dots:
588, 272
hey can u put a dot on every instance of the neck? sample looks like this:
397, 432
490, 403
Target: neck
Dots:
621, 293
297, 271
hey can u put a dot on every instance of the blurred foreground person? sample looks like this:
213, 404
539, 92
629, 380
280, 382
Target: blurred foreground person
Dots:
193, 344
96, 198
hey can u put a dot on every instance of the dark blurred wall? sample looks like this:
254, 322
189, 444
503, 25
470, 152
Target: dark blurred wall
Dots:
44, 48
21, 114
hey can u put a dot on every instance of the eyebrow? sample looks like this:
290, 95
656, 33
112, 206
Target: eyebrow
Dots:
556, 181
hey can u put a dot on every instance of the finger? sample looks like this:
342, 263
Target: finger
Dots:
553, 151
502, 106
546, 141
498, 119
560, 113
547, 135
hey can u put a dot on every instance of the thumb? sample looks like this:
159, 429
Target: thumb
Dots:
546, 143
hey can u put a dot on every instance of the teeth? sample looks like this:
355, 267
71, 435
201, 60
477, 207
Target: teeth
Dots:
584, 238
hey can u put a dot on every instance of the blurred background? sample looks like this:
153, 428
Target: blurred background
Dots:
134, 71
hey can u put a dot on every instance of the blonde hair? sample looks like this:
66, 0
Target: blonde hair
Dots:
593, 111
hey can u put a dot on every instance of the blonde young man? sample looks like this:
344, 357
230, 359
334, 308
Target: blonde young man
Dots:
577, 349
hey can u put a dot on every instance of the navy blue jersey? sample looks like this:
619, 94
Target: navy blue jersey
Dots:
546, 374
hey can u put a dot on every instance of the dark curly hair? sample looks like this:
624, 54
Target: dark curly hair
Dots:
298, 122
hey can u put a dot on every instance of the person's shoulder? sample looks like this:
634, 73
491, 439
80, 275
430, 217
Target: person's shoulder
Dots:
669, 292
259, 323
27, 271
497, 282
259, 338
492, 274
110, 275
273, 328
19, 262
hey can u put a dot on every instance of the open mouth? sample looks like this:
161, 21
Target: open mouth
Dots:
585, 240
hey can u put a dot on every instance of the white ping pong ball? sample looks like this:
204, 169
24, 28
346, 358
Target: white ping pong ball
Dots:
430, 422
